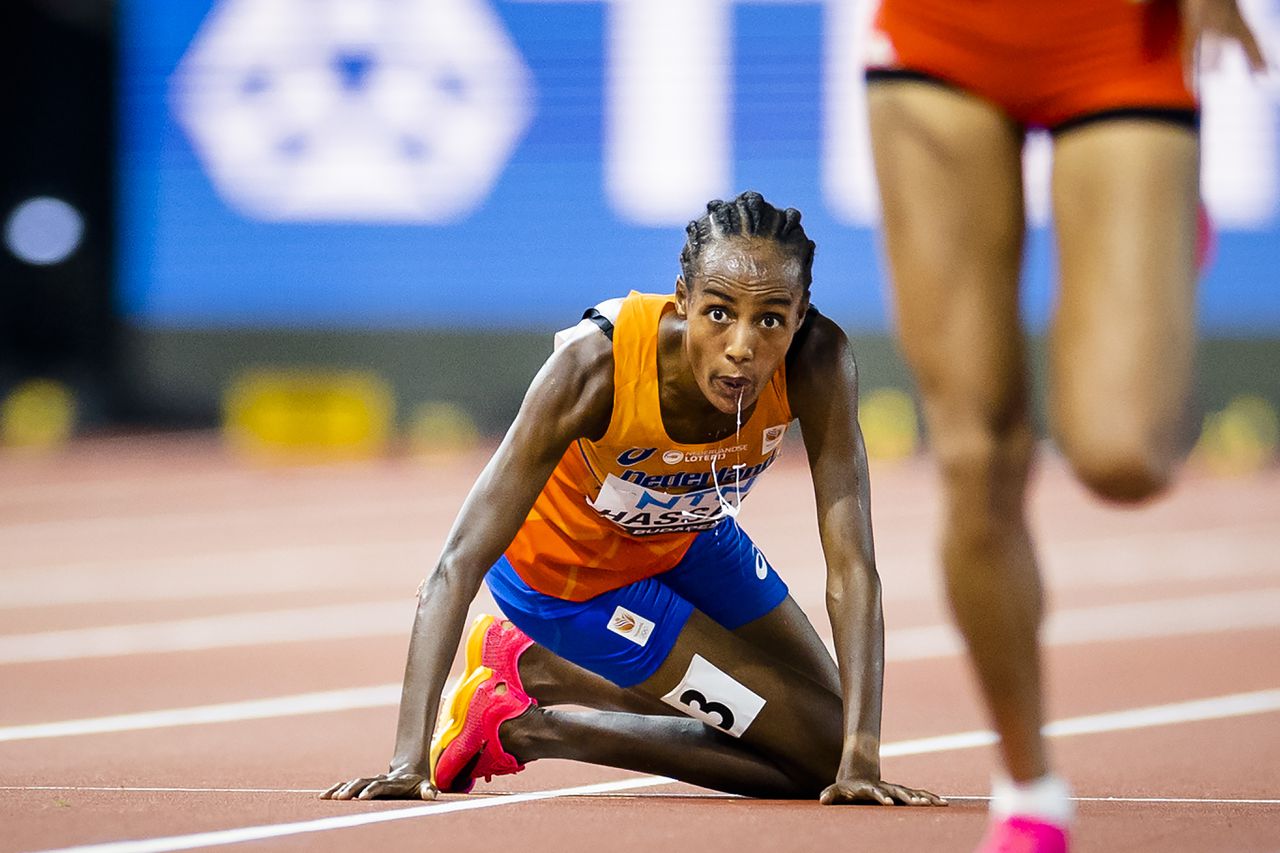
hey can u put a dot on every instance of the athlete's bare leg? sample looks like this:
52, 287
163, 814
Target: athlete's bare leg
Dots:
655, 737
1125, 196
785, 634
949, 167
552, 680
785, 658
790, 749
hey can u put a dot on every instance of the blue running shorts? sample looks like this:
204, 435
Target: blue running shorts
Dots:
625, 634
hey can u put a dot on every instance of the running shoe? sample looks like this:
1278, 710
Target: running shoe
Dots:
497, 644
1023, 835
466, 746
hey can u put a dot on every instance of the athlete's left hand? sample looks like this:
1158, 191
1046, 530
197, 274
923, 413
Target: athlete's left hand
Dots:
853, 790
1221, 20
393, 785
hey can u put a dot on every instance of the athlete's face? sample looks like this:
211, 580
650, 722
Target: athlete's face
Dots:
743, 307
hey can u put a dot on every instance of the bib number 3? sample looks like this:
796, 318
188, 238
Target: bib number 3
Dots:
711, 695
695, 701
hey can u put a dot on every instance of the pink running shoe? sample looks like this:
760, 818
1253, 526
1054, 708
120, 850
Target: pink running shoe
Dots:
466, 745
1023, 835
497, 644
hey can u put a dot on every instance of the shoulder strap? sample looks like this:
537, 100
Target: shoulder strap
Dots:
605, 324
600, 318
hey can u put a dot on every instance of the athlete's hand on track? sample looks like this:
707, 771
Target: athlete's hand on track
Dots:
385, 786
1222, 21
877, 791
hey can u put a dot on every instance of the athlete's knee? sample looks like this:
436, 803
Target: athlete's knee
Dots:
1122, 470
985, 471
726, 683
1123, 459
810, 762
1123, 439
984, 465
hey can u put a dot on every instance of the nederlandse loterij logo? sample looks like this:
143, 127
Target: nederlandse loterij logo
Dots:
367, 110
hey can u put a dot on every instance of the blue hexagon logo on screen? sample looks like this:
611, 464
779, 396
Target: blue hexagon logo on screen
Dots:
353, 110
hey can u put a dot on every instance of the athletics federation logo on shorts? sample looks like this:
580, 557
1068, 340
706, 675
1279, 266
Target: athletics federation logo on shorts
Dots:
633, 626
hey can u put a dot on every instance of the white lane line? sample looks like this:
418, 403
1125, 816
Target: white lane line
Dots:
380, 696
295, 625
226, 573
1226, 552
1143, 556
1177, 617
1145, 620
280, 507
124, 789
387, 695
1220, 707
258, 833
1197, 801
121, 484
1235, 705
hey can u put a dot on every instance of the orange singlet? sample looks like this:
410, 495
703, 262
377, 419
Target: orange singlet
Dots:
628, 506
1044, 62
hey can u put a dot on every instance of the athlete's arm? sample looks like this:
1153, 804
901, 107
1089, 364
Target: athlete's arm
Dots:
1222, 19
822, 383
571, 397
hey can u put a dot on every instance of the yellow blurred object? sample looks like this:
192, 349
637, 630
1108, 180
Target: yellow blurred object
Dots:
1241, 439
39, 414
302, 414
889, 425
440, 427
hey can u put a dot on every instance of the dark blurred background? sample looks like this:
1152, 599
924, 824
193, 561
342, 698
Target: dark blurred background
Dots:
57, 317
373, 214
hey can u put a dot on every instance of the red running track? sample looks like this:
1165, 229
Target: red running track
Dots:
266, 610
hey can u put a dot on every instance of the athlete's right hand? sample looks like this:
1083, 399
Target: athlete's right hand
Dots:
385, 786
1220, 19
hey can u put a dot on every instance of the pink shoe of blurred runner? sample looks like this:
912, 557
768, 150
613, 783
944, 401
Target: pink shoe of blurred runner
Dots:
1023, 835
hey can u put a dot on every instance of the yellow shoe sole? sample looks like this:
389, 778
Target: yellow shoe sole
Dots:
475, 641
453, 714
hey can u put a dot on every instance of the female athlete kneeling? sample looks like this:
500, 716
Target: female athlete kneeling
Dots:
629, 586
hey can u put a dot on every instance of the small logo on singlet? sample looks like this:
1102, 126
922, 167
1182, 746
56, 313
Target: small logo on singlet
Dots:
714, 454
772, 437
635, 456
633, 626
673, 457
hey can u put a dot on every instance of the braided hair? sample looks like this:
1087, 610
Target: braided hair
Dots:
748, 215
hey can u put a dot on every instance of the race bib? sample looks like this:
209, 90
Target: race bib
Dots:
641, 511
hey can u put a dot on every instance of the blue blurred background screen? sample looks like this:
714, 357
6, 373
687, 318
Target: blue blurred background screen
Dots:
503, 164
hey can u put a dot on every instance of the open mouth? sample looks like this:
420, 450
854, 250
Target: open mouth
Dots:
731, 386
